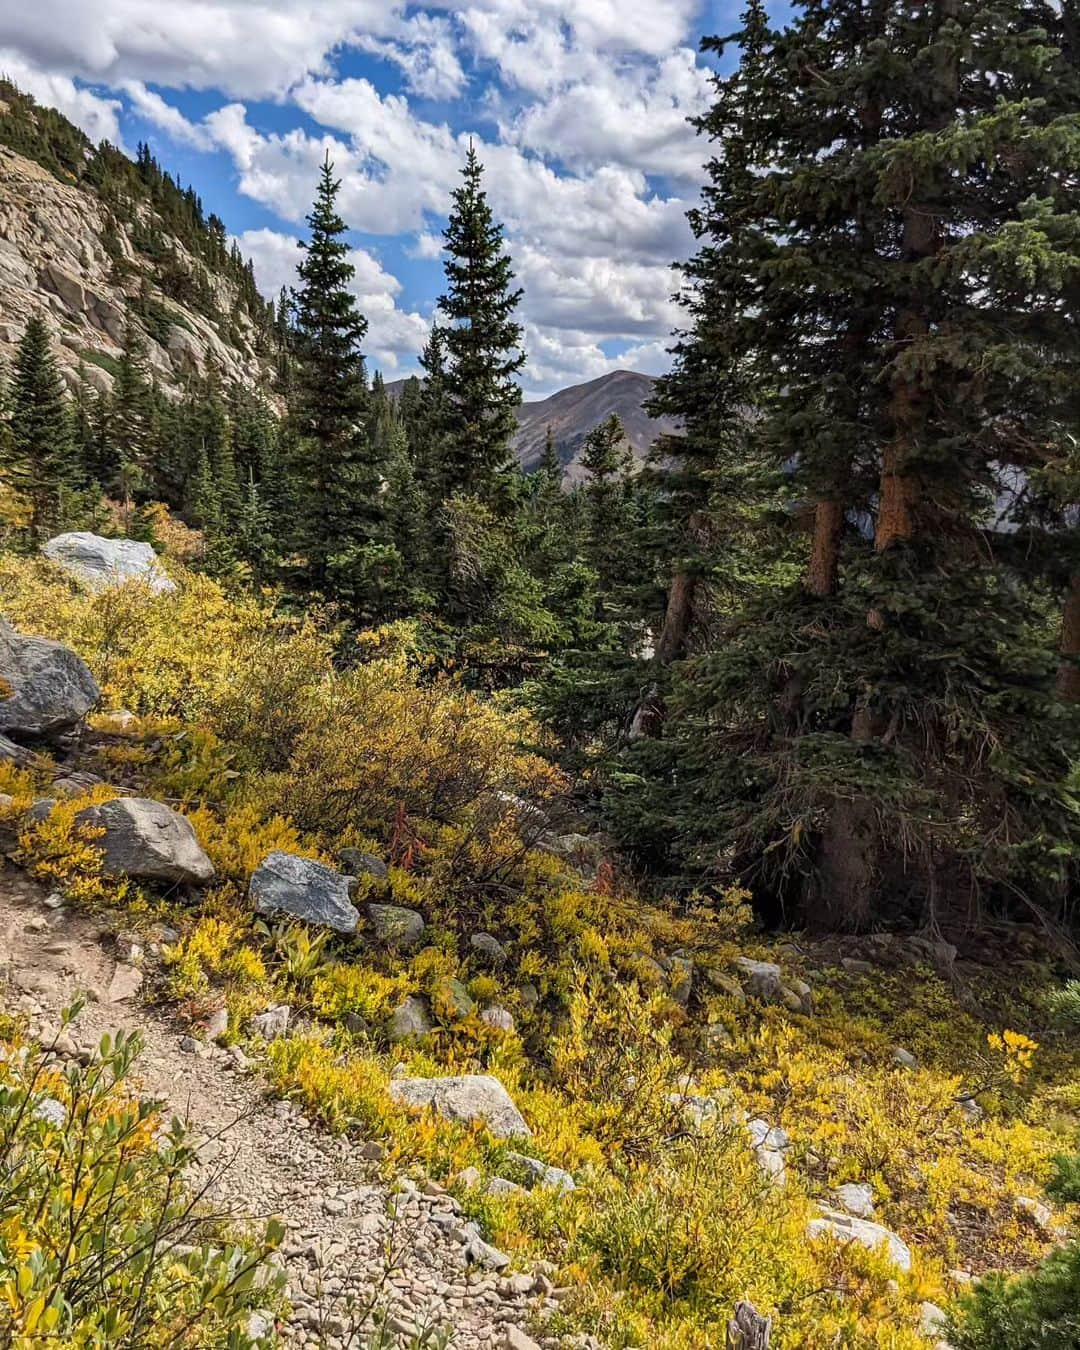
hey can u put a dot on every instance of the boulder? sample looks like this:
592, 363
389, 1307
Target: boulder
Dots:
466, 1098
396, 927
1039, 1214
48, 689
847, 1228
681, 979
410, 1018
500, 1186
149, 841
488, 949
285, 883
99, 562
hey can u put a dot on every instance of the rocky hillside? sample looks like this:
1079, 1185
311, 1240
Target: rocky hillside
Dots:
572, 413
96, 241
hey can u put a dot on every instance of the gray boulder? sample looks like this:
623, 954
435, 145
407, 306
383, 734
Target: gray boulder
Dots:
394, 926
149, 841
285, 883
48, 687
466, 1098
409, 1018
100, 562
847, 1228
763, 979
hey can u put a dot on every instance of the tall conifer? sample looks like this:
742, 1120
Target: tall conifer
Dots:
41, 443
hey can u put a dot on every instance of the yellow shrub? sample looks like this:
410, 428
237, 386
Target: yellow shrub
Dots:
61, 852
352, 988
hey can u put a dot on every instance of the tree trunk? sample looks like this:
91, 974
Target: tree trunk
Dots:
670, 645
748, 1330
822, 572
1068, 676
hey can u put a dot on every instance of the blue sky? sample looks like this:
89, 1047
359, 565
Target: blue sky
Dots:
578, 108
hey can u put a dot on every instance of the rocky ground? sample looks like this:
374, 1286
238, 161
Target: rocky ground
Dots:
360, 1252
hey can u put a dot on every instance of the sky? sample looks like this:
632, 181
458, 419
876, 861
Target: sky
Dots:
578, 110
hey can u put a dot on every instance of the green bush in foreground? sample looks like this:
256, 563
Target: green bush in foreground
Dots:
101, 1243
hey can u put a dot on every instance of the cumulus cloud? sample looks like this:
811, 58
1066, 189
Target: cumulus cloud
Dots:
394, 335
591, 164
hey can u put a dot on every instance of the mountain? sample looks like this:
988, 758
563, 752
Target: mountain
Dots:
573, 412
96, 241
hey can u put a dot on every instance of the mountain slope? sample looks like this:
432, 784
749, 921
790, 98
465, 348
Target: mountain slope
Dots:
573, 412
94, 241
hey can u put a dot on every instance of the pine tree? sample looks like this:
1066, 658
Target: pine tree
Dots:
481, 341
550, 463
342, 528
41, 446
881, 346
130, 428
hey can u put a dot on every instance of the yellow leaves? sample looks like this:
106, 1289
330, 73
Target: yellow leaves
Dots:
1016, 1049
62, 852
352, 988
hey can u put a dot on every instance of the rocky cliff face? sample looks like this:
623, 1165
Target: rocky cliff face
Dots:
64, 254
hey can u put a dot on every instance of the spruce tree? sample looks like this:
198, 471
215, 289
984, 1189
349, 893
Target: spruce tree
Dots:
130, 423
480, 344
41, 444
341, 528
883, 347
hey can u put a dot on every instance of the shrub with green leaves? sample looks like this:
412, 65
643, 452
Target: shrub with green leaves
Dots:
101, 1242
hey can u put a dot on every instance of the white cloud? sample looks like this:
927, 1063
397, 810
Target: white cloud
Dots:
394, 335
589, 98
97, 116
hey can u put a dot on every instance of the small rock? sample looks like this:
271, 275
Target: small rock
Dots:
529, 994
904, 1058
971, 1109
410, 1018
54, 900
932, 1320
469, 1176
482, 1253
272, 1024
190, 1046
285, 883
857, 1198
1039, 1214
515, 1339
125, 983
856, 967
373, 1151
451, 999
500, 1186
359, 864
846, 1228
763, 979
396, 927
542, 1174
51, 1112
217, 1024
726, 985
498, 1018
488, 948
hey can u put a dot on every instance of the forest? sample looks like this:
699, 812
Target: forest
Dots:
804, 684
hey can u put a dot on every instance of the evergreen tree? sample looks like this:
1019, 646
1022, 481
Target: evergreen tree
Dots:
480, 346
882, 340
606, 459
341, 527
550, 463
41, 445
130, 423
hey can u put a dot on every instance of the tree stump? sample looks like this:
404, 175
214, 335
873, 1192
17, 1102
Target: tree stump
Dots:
748, 1330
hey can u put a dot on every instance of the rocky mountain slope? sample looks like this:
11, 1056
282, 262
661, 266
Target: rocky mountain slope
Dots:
572, 413
95, 241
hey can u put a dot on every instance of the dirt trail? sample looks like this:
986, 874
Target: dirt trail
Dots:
352, 1241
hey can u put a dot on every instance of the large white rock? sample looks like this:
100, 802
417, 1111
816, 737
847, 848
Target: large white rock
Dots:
285, 883
45, 687
99, 562
847, 1228
148, 840
471, 1096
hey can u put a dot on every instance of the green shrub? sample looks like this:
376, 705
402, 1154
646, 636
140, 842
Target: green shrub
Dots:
101, 1243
